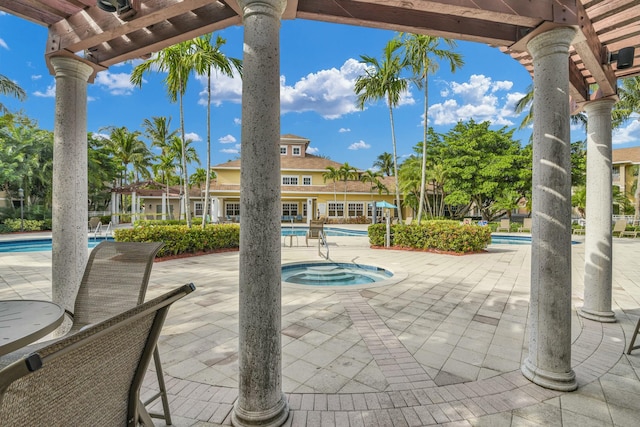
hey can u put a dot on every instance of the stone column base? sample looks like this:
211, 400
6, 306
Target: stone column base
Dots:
272, 417
561, 381
598, 316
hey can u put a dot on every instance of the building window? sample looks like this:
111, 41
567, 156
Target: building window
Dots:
198, 207
615, 173
304, 209
289, 180
283, 150
289, 209
336, 209
232, 209
306, 180
356, 209
295, 151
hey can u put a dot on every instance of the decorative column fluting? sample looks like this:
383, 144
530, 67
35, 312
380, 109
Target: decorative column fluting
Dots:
549, 360
70, 183
598, 272
260, 398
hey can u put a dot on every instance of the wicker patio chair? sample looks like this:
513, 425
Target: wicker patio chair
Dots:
91, 378
116, 279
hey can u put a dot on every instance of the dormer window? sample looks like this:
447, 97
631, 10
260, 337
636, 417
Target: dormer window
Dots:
295, 151
283, 150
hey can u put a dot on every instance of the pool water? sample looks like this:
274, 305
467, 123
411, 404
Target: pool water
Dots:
37, 245
333, 274
329, 231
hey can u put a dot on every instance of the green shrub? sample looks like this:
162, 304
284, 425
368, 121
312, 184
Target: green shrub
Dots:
14, 225
179, 239
446, 236
149, 222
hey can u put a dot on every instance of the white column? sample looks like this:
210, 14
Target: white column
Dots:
70, 194
310, 212
164, 205
260, 398
114, 208
134, 207
549, 360
598, 271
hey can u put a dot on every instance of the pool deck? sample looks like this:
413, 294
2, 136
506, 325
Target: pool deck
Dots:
442, 346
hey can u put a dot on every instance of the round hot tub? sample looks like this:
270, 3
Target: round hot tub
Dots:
335, 274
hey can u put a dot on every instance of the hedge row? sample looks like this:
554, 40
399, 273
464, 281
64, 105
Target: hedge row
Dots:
180, 239
446, 236
12, 225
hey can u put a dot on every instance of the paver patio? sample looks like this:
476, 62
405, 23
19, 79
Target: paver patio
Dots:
442, 346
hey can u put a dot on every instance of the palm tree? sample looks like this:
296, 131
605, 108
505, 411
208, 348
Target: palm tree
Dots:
334, 175
205, 58
346, 172
418, 50
174, 60
158, 131
384, 162
382, 81
127, 149
8, 87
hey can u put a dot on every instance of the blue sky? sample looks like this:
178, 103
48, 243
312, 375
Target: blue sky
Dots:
319, 65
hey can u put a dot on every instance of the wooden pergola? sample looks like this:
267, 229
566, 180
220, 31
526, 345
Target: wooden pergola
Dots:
567, 45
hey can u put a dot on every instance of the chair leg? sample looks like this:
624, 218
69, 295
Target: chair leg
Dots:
162, 393
633, 338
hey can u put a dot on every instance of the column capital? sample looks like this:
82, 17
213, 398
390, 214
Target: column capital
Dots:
64, 66
556, 40
273, 8
599, 106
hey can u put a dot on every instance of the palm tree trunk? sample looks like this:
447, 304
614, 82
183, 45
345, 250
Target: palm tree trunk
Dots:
185, 178
395, 162
208, 179
423, 175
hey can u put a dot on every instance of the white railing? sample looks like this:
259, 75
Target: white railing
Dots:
322, 242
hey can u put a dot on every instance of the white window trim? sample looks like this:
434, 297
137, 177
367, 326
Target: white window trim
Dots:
285, 150
293, 151
310, 179
291, 177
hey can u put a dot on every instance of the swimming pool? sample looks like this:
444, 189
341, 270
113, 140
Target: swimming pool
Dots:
38, 245
333, 274
329, 231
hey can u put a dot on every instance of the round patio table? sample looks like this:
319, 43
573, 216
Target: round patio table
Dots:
25, 321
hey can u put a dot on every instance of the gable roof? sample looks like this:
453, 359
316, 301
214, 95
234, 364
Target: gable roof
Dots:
308, 162
626, 155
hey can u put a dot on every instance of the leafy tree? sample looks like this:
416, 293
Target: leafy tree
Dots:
8, 87
128, 149
382, 81
384, 162
205, 58
482, 164
579, 200
102, 170
578, 163
422, 54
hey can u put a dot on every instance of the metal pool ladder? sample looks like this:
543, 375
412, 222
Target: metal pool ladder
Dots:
322, 242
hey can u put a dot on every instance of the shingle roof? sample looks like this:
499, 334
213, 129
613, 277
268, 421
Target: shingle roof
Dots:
308, 162
626, 155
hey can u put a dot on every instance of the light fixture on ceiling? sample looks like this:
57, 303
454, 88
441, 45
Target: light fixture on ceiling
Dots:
623, 57
119, 6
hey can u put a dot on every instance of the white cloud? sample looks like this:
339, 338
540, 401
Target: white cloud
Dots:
36, 77
343, 130
312, 150
327, 92
480, 98
4, 44
115, 83
223, 88
237, 121
227, 139
234, 150
628, 134
360, 145
192, 136
49, 93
